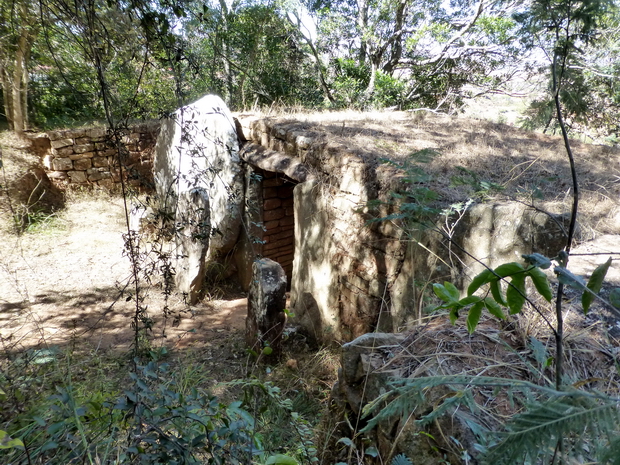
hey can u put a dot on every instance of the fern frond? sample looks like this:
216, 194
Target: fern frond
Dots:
573, 417
401, 459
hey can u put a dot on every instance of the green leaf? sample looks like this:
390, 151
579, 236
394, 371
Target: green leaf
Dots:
509, 269
454, 315
281, 459
465, 302
515, 294
614, 297
446, 292
7, 442
347, 442
480, 280
494, 308
474, 316
496, 292
541, 282
569, 279
372, 451
538, 260
267, 350
594, 284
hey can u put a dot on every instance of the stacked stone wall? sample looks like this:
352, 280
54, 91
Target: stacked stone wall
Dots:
84, 157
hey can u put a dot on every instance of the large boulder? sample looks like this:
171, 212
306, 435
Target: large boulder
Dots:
192, 242
198, 148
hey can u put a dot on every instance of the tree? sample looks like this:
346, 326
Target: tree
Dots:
18, 31
435, 48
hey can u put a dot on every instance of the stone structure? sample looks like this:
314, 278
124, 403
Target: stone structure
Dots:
351, 276
266, 304
85, 157
302, 200
198, 148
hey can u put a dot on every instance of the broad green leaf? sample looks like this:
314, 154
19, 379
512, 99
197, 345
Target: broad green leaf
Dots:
594, 284
472, 299
569, 279
454, 315
7, 442
474, 316
494, 308
538, 260
372, 451
445, 293
515, 294
347, 442
496, 292
540, 280
614, 297
480, 280
281, 459
267, 350
509, 269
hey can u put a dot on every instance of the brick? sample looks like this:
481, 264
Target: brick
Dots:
271, 215
287, 220
274, 245
273, 182
269, 225
270, 193
271, 204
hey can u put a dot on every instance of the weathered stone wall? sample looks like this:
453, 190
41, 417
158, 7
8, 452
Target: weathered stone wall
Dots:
84, 157
352, 275
348, 276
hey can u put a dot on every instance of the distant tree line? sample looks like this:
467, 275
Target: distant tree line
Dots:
362, 54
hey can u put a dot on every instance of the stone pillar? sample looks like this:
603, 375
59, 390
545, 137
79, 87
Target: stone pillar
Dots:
193, 227
266, 303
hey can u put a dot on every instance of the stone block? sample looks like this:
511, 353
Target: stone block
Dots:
266, 304
100, 162
77, 176
56, 144
58, 175
82, 165
63, 152
106, 183
84, 148
62, 164
47, 161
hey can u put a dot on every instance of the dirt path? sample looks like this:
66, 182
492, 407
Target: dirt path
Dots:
64, 283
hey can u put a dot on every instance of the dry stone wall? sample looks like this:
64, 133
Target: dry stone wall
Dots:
352, 275
348, 277
84, 157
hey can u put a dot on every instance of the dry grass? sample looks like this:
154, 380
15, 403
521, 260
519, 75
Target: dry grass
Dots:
529, 166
